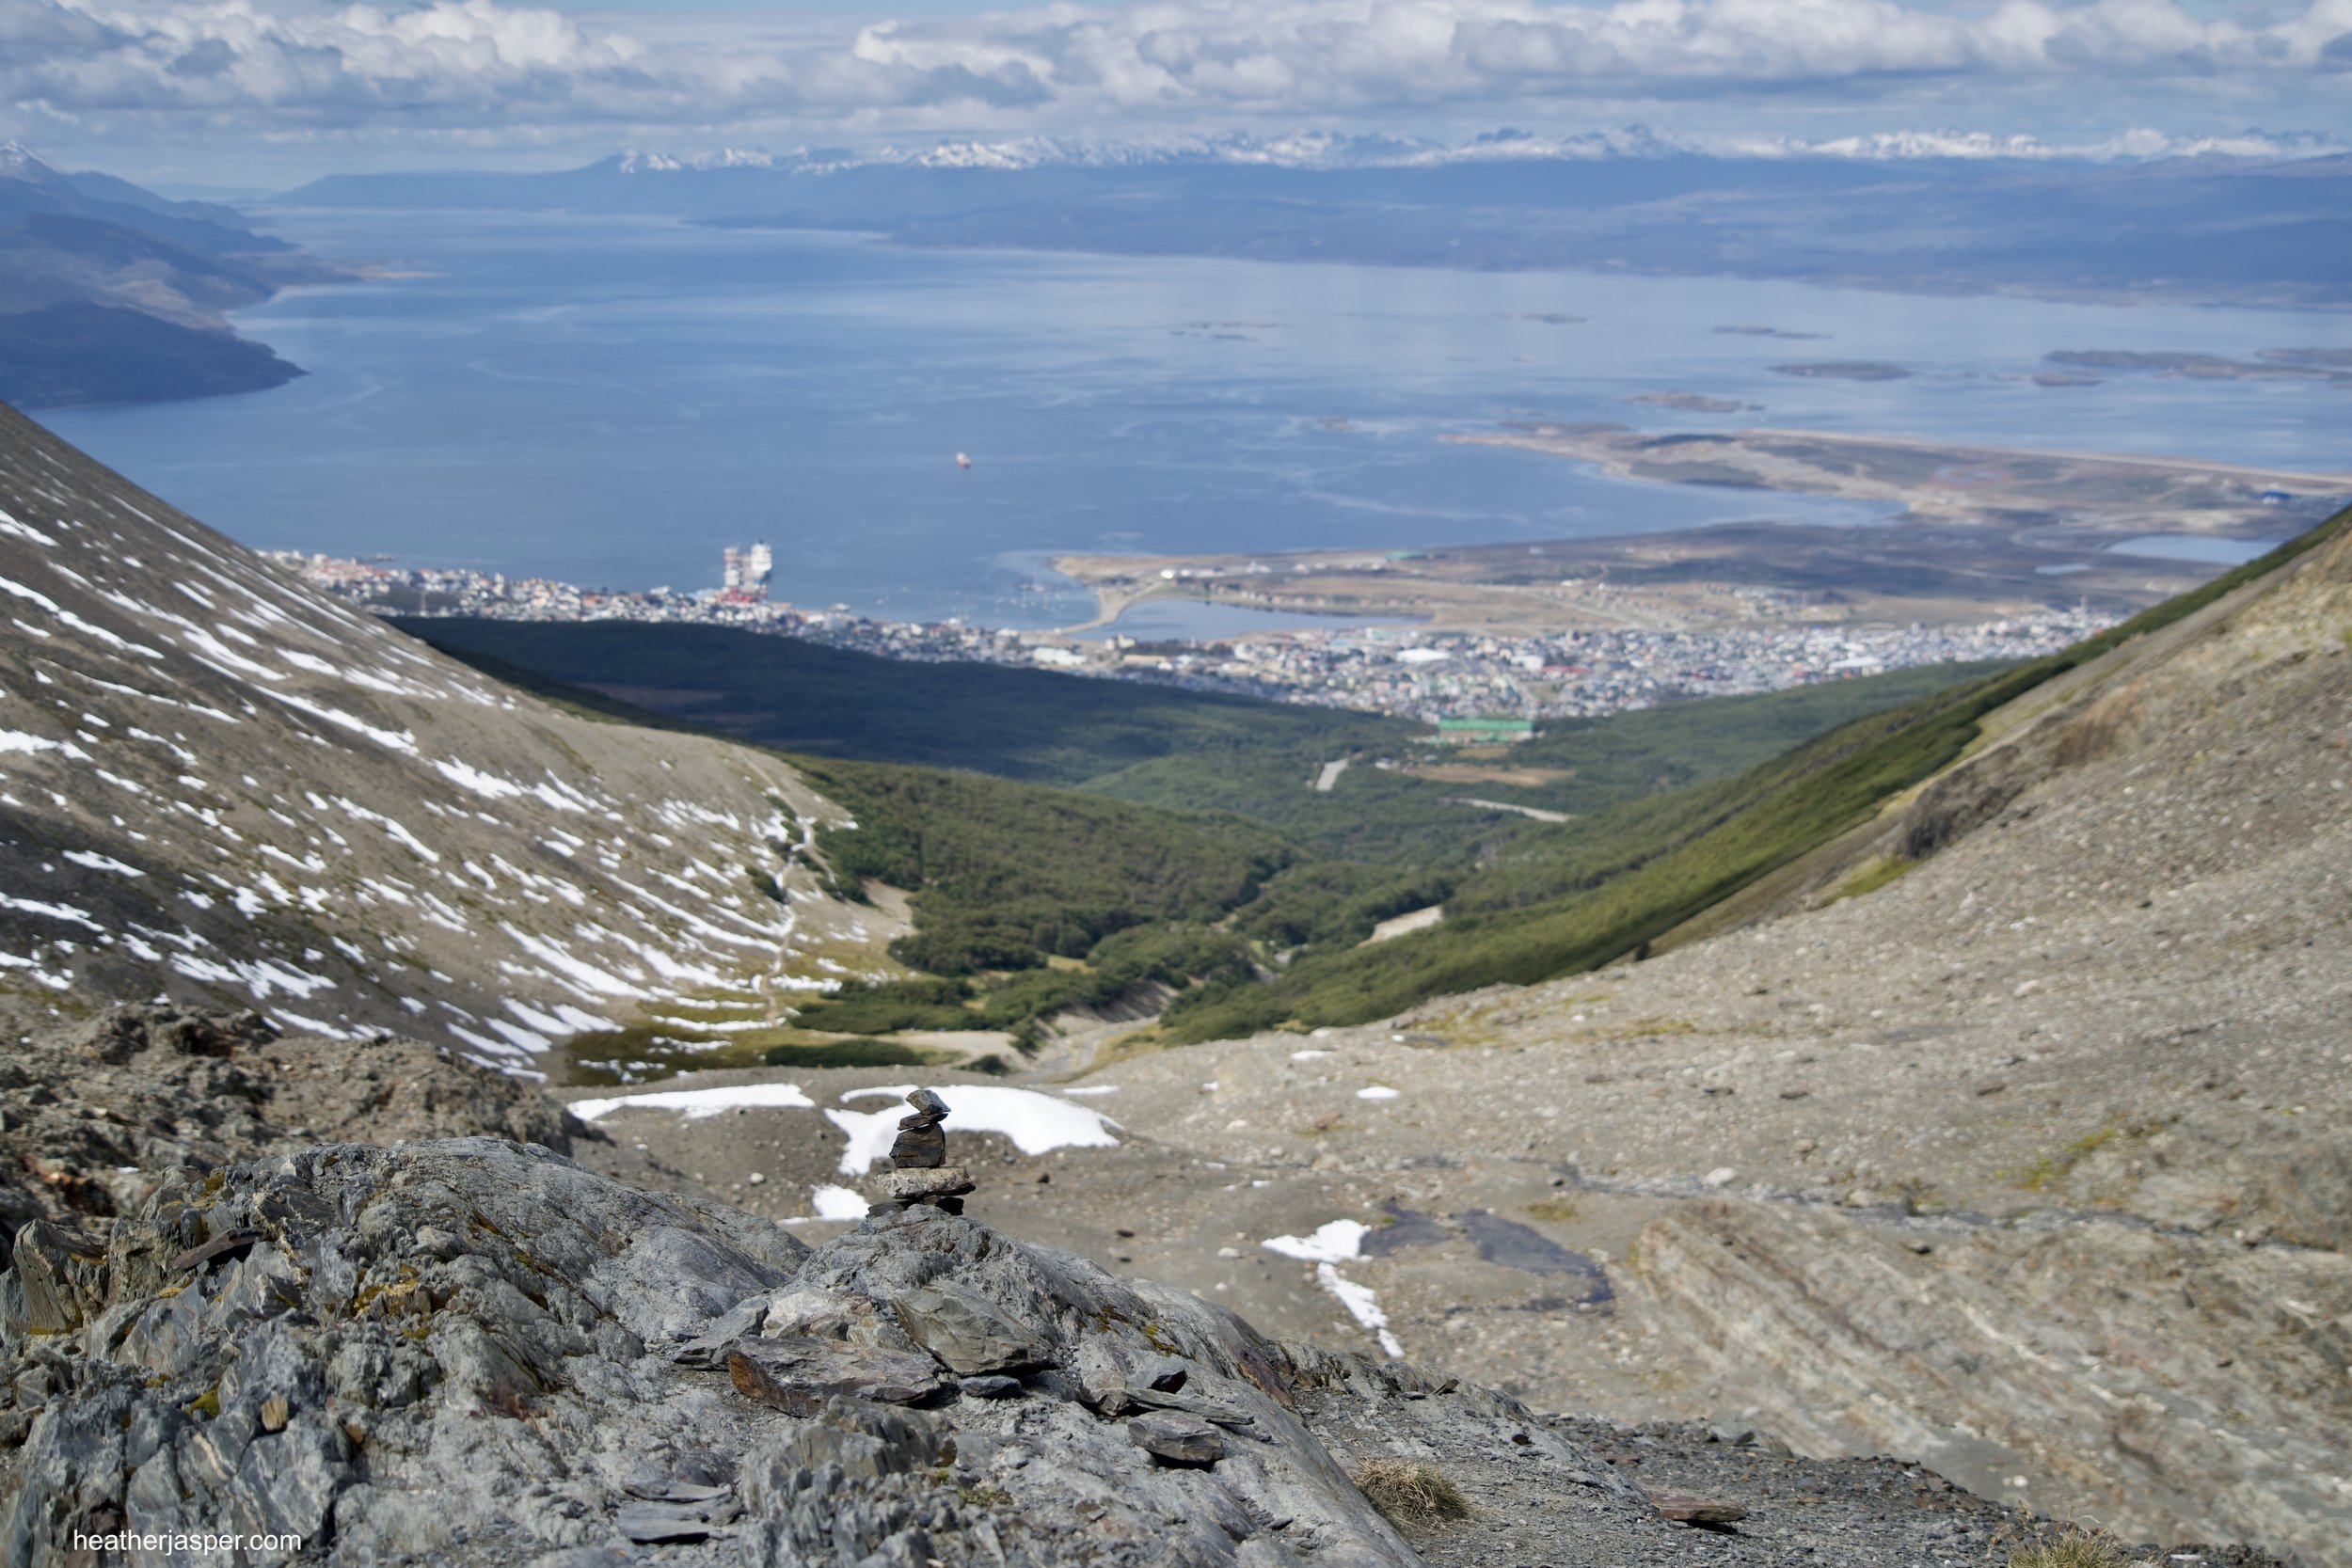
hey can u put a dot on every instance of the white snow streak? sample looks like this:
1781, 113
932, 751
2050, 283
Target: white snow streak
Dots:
697, 1105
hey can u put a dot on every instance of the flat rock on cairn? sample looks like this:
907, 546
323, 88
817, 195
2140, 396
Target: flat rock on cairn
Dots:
919, 1171
1697, 1510
902, 1187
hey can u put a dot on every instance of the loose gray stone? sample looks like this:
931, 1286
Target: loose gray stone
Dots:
650, 1522
1176, 1438
922, 1184
970, 1334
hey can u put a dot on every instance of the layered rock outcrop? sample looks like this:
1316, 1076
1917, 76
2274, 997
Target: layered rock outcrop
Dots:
2194, 1387
472, 1350
92, 1117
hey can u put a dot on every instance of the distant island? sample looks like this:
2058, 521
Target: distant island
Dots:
1845, 369
110, 294
2271, 364
1771, 332
1692, 403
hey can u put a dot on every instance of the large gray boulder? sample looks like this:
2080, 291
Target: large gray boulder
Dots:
472, 1350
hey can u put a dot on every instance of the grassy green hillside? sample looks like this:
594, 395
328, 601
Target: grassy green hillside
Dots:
1391, 818
1591, 890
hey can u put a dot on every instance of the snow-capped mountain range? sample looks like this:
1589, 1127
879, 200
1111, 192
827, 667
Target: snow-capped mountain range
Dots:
1327, 150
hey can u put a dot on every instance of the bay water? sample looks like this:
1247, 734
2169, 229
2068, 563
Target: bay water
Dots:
613, 401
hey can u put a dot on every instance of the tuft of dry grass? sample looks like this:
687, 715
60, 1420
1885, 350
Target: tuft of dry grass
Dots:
2072, 1548
1409, 1491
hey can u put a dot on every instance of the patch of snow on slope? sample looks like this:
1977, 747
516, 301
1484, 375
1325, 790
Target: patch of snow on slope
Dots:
314, 1026
556, 1023
697, 1105
712, 1026
73, 620
1333, 1243
55, 912
1361, 1305
832, 1203
24, 530
398, 740
488, 785
262, 978
599, 981
96, 861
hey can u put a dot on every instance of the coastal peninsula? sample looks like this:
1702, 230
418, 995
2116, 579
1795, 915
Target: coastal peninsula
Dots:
1975, 531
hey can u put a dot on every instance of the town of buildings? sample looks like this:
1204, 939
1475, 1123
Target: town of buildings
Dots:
1404, 671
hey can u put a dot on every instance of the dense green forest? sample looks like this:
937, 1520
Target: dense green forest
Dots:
1192, 853
1035, 725
1006, 876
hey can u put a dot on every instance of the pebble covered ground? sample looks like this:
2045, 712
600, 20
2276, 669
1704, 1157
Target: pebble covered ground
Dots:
1800, 1513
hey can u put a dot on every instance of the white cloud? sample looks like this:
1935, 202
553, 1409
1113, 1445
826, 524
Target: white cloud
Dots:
477, 66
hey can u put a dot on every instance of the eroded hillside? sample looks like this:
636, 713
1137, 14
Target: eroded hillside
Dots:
218, 785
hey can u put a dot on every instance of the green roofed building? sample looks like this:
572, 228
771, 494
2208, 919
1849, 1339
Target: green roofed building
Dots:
1485, 731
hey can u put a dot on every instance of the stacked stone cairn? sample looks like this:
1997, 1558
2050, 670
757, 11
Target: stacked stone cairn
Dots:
919, 1170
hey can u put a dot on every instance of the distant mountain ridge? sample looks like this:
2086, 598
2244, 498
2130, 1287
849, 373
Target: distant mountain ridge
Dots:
2257, 219
29, 185
111, 294
1335, 150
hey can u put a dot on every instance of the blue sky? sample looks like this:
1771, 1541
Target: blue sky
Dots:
265, 92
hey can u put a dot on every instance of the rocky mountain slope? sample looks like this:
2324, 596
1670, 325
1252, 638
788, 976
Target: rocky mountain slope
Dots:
96, 1116
475, 1351
469, 1348
2009, 1134
217, 785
